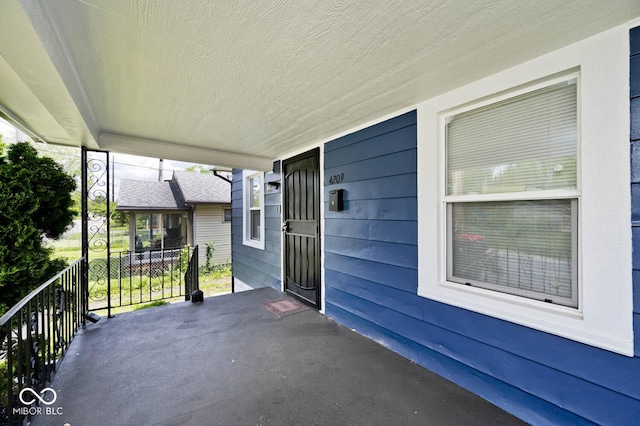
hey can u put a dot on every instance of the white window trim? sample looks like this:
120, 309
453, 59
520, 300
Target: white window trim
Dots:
246, 232
554, 194
604, 317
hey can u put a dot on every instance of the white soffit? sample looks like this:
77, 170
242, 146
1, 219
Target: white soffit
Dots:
258, 79
31, 90
181, 152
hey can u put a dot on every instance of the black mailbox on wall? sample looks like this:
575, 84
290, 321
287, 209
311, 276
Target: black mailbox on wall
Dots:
335, 200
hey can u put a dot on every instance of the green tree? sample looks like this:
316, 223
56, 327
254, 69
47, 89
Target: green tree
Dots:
198, 168
35, 202
70, 159
98, 207
119, 217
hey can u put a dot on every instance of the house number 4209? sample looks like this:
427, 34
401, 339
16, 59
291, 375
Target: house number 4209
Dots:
334, 179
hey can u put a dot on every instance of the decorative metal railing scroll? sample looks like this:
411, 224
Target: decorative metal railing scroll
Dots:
35, 335
96, 249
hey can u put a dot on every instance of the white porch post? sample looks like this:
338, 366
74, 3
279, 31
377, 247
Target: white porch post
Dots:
132, 231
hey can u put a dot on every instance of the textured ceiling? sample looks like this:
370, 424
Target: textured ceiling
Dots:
240, 83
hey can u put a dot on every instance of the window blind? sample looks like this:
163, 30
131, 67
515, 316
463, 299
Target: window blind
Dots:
521, 144
520, 247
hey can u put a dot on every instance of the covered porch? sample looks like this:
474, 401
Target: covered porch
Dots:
252, 86
230, 360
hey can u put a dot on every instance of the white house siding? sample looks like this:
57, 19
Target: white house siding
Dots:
209, 226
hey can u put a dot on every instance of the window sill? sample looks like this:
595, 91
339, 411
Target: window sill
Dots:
488, 296
254, 243
559, 320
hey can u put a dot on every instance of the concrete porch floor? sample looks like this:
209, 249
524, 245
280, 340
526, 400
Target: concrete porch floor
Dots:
230, 361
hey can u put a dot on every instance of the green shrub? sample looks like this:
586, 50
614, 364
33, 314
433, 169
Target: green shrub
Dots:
209, 254
3, 382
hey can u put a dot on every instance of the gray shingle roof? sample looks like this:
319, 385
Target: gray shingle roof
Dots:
202, 187
185, 188
145, 195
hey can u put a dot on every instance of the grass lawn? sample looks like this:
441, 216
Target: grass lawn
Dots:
215, 282
69, 246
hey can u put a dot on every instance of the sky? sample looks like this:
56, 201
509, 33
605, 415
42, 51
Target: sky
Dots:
125, 166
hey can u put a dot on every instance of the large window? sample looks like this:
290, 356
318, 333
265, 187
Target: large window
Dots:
155, 231
531, 210
253, 212
512, 195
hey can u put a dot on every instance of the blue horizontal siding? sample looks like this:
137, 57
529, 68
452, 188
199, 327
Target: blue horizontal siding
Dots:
634, 41
634, 134
546, 383
635, 234
635, 159
273, 224
382, 252
532, 409
371, 286
386, 209
635, 116
636, 292
636, 341
635, 206
405, 232
255, 273
386, 187
388, 126
405, 279
378, 146
252, 255
371, 245
398, 163
620, 375
401, 301
256, 267
635, 76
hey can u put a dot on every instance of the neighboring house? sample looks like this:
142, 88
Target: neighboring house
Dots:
190, 209
485, 234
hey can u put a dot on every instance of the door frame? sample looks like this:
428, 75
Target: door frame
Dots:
320, 199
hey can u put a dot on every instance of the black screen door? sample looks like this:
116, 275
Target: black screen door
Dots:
301, 227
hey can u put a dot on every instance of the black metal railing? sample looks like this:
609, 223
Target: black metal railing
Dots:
191, 277
34, 336
135, 277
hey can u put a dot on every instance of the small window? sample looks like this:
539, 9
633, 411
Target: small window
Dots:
227, 215
253, 215
255, 192
511, 195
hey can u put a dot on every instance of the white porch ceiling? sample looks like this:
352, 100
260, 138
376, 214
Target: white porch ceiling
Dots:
241, 83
